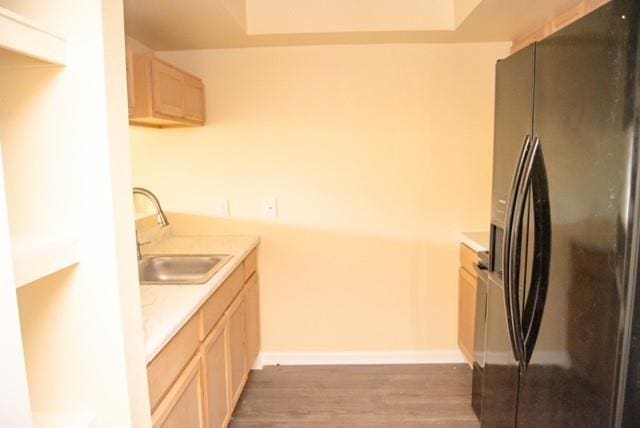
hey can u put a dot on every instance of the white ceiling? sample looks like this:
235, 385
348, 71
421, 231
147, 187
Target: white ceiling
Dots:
204, 24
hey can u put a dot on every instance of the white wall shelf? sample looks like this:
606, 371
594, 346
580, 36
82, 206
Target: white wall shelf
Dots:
24, 42
35, 258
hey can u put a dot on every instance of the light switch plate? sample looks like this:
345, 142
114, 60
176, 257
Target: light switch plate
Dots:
270, 208
222, 208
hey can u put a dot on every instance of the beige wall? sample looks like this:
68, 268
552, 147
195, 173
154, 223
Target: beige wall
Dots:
379, 156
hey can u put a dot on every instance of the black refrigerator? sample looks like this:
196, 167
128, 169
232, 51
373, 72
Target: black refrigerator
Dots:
562, 324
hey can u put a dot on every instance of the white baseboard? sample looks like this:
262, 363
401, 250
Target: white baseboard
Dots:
257, 364
450, 356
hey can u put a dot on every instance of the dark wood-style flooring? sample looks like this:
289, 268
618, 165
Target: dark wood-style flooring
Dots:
357, 396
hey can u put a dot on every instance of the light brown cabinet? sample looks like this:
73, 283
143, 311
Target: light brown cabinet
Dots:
237, 333
131, 100
164, 95
167, 88
216, 369
252, 299
467, 290
194, 99
165, 368
219, 335
183, 405
214, 308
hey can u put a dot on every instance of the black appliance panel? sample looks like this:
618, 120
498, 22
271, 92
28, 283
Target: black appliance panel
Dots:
500, 389
513, 123
581, 118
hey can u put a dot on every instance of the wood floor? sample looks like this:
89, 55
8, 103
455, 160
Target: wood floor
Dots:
357, 396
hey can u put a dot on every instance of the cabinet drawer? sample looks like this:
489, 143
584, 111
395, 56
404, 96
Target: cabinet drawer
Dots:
214, 308
467, 258
164, 369
250, 264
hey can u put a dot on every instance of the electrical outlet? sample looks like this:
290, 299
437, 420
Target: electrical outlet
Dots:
270, 208
222, 208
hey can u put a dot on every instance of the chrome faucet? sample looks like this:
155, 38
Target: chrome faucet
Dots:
163, 222
161, 217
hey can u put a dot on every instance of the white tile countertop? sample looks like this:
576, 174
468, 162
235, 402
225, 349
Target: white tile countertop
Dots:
167, 308
477, 241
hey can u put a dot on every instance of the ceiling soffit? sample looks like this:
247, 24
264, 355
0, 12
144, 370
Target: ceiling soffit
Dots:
344, 16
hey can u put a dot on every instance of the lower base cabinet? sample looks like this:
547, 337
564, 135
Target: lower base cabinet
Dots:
208, 388
237, 333
215, 365
466, 313
182, 407
252, 300
467, 290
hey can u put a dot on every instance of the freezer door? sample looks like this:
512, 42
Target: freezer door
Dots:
584, 120
513, 117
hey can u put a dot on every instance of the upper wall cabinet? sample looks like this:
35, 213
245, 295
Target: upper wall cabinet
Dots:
193, 99
131, 99
163, 95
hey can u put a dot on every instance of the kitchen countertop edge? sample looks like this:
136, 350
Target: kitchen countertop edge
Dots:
477, 241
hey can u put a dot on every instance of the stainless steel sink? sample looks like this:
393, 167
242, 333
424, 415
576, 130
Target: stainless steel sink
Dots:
180, 268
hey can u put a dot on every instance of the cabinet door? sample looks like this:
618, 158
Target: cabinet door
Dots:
194, 107
466, 313
253, 320
236, 349
168, 365
131, 99
168, 89
183, 405
216, 386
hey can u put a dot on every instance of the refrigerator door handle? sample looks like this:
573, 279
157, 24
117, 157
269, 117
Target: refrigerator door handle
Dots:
539, 283
508, 244
515, 250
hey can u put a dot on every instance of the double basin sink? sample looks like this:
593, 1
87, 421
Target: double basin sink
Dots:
180, 269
